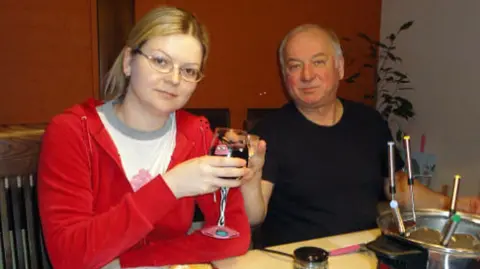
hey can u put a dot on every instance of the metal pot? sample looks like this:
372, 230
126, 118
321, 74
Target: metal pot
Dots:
463, 251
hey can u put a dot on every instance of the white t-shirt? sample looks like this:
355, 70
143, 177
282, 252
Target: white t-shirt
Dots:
144, 155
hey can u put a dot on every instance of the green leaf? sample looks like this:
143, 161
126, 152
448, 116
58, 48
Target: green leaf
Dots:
405, 88
387, 98
404, 108
403, 100
380, 44
403, 81
399, 135
405, 26
402, 113
387, 111
386, 69
392, 37
391, 56
399, 74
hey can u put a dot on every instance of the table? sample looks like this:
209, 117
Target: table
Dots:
264, 260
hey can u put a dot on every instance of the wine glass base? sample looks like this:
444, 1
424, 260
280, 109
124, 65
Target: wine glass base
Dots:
220, 232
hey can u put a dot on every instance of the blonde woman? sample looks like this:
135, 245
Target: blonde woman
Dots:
118, 179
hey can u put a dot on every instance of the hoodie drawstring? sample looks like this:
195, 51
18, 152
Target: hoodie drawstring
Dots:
87, 141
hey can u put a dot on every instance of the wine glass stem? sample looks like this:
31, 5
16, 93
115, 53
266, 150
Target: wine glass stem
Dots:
223, 205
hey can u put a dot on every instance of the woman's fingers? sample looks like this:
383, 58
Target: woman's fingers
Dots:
234, 172
221, 161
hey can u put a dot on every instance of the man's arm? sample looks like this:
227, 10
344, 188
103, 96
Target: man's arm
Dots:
255, 190
256, 194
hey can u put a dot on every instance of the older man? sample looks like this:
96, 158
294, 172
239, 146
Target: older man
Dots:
326, 161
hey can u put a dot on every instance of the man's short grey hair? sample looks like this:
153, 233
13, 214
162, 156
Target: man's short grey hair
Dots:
303, 28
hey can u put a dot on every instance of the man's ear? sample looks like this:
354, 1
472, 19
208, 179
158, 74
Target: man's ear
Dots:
340, 65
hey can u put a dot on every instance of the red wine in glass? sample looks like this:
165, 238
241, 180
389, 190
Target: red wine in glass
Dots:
232, 151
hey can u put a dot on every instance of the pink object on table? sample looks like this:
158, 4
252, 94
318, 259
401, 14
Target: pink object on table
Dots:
345, 250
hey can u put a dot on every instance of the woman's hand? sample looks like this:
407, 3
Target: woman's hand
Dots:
204, 175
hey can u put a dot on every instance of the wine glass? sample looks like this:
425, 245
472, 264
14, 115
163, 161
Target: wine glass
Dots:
226, 142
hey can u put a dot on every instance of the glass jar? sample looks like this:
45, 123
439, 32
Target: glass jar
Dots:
310, 258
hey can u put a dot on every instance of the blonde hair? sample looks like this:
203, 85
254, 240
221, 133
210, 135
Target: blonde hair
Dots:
304, 28
160, 21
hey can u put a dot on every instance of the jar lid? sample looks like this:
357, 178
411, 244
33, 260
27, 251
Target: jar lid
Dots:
310, 254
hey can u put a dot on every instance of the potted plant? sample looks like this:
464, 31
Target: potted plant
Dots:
390, 81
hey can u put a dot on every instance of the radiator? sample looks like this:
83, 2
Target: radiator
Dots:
21, 241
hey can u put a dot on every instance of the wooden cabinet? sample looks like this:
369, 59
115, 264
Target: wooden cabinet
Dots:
49, 57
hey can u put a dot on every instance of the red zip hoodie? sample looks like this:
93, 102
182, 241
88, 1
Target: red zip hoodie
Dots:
91, 216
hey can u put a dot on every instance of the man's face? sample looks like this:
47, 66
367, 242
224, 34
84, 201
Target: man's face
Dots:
312, 70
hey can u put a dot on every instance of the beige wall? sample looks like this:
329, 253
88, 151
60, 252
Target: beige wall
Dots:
441, 55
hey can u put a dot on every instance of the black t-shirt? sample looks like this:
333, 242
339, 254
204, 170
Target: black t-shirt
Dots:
327, 180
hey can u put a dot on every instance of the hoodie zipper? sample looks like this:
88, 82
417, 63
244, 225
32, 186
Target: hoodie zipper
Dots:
89, 148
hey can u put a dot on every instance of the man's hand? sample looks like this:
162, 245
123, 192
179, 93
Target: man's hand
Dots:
254, 194
255, 163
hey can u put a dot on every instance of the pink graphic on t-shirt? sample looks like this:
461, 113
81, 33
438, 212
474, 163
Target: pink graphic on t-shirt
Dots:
140, 179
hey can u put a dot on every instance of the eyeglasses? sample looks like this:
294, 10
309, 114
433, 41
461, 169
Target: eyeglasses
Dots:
164, 64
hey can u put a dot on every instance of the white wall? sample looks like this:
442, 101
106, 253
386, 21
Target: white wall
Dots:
441, 53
